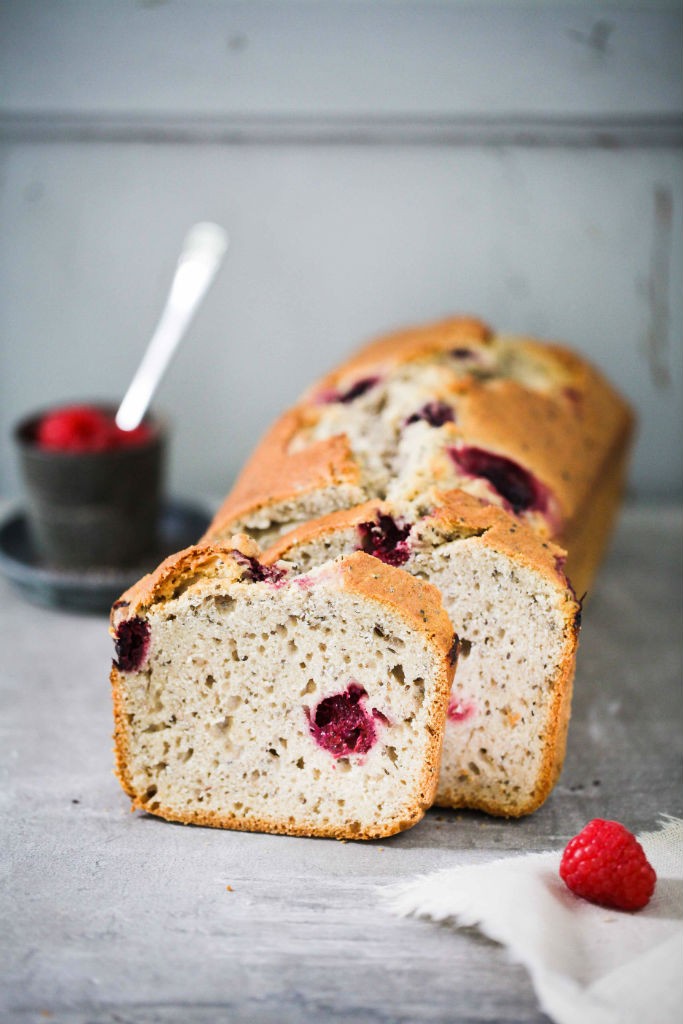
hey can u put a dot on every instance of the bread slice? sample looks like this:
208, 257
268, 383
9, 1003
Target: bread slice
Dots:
508, 598
311, 705
526, 425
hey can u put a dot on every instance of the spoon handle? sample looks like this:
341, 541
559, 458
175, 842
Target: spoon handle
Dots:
201, 256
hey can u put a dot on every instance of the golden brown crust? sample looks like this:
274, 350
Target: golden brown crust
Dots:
178, 569
502, 532
416, 601
586, 535
406, 345
275, 474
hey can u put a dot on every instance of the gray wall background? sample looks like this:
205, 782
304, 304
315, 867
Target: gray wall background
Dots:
375, 164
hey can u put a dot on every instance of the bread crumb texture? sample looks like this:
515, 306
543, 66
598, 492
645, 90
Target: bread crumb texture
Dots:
509, 601
314, 709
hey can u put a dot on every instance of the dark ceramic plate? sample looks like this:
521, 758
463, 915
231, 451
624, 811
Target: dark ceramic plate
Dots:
89, 590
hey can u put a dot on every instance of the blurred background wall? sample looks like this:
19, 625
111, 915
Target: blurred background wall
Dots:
375, 164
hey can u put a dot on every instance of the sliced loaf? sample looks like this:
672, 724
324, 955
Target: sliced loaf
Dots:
251, 699
505, 590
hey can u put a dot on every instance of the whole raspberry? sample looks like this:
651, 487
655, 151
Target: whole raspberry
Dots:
76, 428
607, 865
85, 428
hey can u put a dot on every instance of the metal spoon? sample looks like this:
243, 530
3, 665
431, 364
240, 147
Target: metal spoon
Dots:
201, 255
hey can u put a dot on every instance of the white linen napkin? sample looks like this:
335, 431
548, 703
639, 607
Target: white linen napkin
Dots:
588, 965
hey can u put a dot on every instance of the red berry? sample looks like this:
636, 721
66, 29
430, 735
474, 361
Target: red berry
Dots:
606, 864
386, 539
132, 644
520, 488
341, 724
84, 428
129, 438
76, 428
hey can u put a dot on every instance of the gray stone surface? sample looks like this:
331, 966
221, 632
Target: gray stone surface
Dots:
110, 916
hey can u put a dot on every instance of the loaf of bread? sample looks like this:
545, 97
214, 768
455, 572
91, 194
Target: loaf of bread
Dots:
430, 485
505, 591
525, 425
251, 698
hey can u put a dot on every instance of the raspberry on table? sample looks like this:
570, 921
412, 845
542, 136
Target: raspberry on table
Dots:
606, 864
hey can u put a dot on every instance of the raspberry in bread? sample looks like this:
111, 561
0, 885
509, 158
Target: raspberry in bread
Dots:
505, 591
525, 425
310, 705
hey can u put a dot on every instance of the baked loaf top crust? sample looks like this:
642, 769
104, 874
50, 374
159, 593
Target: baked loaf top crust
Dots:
417, 602
527, 425
451, 515
252, 699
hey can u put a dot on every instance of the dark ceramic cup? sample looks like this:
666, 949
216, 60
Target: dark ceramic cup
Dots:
93, 509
